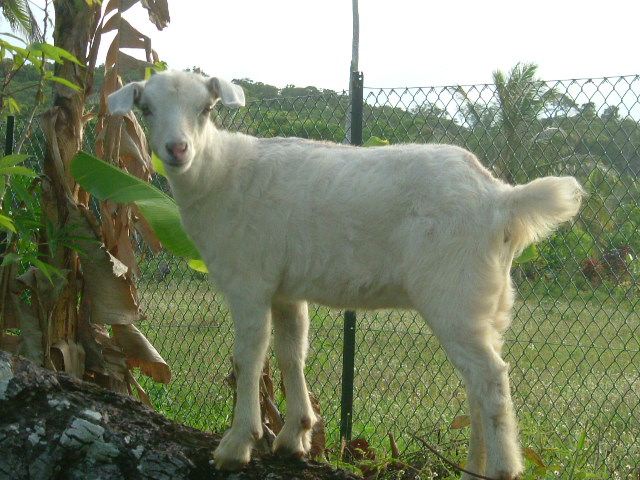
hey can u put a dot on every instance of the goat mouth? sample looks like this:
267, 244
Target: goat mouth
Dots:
176, 163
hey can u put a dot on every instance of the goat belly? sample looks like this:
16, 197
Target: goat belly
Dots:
337, 288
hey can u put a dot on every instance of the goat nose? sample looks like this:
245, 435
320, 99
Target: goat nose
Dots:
177, 149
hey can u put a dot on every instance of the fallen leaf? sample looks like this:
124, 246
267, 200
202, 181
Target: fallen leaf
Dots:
534, 456
461, 421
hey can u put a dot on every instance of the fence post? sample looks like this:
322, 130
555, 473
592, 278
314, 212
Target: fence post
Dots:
8, 142
348, 367
8, 150
349, 346
357, 107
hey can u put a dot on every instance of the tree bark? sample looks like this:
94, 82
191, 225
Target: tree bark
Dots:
75, 25
54, 426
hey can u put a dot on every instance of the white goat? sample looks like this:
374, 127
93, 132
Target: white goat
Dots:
283, 221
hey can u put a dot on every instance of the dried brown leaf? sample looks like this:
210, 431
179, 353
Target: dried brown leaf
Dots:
395, 451
126, 254
134, 149
121, 5
112, 294
158, 12
144, 229
359, 449
46, 291
108, 212
56, 145
71, 355
140, 353
130, 37
112, 53
461, 421
318, 434
22, 316
534, 456
268, 407
115, 362
10, 343
32, 318
128, 63
87, 337
142, 394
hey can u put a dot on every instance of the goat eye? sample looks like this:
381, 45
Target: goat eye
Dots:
146, 111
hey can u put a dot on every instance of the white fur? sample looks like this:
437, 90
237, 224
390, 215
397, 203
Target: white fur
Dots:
280, 222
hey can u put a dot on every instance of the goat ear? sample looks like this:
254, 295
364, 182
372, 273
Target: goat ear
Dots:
230, 94
122, 101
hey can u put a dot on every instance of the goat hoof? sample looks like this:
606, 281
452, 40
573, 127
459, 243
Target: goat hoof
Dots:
230, 465
507, 476
286, 451
293, 450
231, 455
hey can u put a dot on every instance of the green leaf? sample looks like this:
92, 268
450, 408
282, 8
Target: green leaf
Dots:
106, 182
7, 224
64, 82
4, 42
54, 53
14, 106
530, 253
46, 269
375, 142
582, 441
10, 258
18, 170
11, 160
158, 166
198, 266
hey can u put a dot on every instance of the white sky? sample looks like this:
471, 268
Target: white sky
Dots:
402, 42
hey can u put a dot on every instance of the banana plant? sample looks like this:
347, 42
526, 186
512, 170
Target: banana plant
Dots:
108, 183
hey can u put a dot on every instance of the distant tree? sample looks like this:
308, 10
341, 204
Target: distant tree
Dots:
612, 112
588, 110
521, 99
257, 90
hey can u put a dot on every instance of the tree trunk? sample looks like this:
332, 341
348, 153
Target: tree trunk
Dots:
54, 426
75, 25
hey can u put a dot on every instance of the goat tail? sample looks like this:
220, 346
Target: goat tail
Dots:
537, 208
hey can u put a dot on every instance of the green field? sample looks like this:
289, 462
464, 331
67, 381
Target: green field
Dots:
574, 369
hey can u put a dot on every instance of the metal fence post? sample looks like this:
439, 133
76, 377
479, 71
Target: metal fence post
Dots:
8, 142
8, 150
349, 347
357, 107
348, 367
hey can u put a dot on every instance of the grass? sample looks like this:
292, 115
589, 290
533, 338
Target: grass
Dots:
573, 369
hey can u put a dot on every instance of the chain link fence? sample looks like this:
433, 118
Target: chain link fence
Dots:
574, 345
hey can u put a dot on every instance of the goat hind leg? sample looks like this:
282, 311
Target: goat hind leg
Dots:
477, 458
291, 327
486, 379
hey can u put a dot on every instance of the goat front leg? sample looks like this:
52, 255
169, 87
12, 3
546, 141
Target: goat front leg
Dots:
252, 328
291, 328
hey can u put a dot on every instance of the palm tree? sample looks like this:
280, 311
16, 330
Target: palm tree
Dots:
21, 19
521, 99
